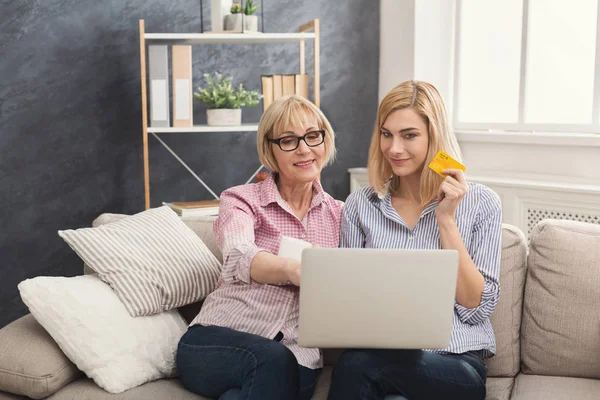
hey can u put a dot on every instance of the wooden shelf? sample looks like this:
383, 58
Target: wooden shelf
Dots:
307, 32
206, 128
233, 38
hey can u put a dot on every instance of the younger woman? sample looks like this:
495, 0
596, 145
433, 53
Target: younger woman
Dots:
409, 206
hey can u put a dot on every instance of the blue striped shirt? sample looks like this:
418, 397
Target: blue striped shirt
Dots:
372, 222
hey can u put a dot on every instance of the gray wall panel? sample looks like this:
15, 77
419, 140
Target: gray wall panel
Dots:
70, 119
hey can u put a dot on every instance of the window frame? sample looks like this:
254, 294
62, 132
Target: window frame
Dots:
521, 126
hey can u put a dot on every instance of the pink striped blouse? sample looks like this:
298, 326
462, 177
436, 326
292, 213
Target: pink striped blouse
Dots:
253, 218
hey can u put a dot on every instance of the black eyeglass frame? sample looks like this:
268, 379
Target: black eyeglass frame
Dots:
298, 139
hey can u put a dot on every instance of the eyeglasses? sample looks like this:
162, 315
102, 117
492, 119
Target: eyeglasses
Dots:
291, 143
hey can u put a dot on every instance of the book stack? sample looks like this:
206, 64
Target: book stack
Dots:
202, 208
182, 97
275, 86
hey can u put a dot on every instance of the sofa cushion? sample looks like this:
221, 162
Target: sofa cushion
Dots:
10, 396
506, 319
499, 388
167, 389
152, 260
323, 384
203, 227
561, 316
170, 389
535, 387
92, 327
31, 363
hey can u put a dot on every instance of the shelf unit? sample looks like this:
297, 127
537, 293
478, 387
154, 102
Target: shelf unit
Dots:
308, 31
206, 128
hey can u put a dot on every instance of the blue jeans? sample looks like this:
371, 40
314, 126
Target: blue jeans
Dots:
415, 374
226, 364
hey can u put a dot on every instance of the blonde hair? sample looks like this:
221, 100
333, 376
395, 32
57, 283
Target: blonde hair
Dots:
286, 112
425, 99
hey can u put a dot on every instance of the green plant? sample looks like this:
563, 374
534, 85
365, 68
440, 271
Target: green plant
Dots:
236, 8
220, 93
249, 9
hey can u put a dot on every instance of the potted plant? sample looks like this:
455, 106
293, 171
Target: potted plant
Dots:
224, 100
239, 15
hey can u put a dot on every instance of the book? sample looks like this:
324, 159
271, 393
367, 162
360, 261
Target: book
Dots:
267, 90
197, 204
301, 85
288, 84
189, 209
203, 212
158, 75
277, 86
182, 86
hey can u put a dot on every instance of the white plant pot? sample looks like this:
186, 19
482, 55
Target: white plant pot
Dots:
224, 117
251, 23
233, 23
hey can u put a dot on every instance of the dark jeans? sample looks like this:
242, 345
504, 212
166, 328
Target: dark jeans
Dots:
226, 364
415, 374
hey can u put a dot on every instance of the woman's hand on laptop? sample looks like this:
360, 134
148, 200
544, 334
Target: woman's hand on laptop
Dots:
293, 271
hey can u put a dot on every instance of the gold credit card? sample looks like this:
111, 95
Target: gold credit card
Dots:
443, 161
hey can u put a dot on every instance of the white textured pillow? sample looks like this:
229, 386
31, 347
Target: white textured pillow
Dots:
93, 328
152, 260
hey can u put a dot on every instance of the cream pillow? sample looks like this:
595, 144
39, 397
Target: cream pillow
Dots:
31, 364
94, 330
152, 260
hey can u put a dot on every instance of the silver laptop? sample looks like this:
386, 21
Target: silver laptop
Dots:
376, 298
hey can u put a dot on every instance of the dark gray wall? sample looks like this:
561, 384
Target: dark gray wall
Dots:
70, 115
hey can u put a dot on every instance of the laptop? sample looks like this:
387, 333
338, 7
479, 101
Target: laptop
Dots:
377, 298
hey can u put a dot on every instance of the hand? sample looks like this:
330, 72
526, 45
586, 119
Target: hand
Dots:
293, 271
451, 192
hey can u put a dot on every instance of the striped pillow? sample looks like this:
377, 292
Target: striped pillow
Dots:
152, 260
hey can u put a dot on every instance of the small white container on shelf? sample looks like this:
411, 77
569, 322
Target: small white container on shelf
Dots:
224, 117
233, 23
218, 10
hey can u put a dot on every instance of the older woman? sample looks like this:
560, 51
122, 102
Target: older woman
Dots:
243, 344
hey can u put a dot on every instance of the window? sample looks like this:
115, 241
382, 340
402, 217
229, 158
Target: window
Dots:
527, 65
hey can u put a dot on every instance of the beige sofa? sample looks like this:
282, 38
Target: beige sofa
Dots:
547, 326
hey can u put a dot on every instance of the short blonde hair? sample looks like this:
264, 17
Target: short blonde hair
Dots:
286, 112
425, 99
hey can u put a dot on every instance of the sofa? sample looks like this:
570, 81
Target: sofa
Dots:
547, 326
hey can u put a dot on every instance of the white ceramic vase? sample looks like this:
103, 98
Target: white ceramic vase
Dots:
224, 117
251, 23
233, 23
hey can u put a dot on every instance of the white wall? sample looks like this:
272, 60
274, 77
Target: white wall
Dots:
416, 42
434, 45
536, 174
396, 43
